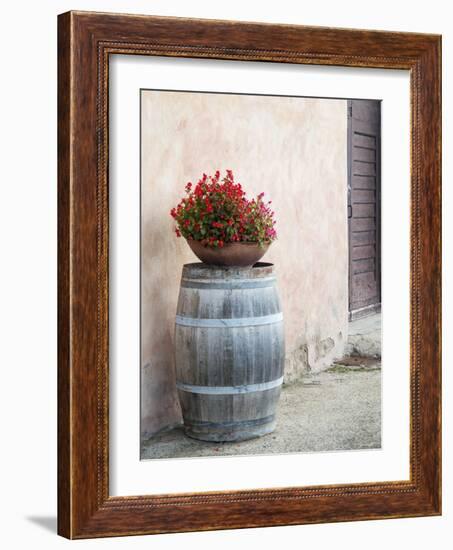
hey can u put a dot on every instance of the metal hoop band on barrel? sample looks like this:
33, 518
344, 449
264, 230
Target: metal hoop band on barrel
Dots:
233, 424
228, 390
230, 323
234, 284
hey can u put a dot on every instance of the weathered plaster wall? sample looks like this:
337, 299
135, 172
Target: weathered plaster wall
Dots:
294, 149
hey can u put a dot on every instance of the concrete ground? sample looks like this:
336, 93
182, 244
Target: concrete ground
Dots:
365, 337
338, 409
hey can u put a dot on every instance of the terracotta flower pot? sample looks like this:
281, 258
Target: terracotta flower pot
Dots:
231, 254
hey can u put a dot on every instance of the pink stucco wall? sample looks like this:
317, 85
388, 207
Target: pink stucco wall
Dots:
293, 149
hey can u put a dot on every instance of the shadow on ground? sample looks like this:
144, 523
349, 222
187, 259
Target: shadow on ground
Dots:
48, 523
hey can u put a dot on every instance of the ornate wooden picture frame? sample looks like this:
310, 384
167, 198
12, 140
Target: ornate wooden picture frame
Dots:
85, 42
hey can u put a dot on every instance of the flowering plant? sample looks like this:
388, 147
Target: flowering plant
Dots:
216, 212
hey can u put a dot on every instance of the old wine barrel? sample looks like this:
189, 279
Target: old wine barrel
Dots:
229, 351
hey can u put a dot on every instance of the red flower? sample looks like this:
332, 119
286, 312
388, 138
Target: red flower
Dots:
216, 211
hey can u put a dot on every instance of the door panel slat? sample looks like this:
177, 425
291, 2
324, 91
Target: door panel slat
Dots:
363, 237
363, 182
363, 252
366, 154
363, 141
363, 224
359, 196
362, 266
364, 210
363, 168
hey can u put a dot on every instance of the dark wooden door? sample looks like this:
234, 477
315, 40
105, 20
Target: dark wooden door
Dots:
364, 209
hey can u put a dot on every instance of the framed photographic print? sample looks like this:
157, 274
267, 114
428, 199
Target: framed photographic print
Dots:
249, 275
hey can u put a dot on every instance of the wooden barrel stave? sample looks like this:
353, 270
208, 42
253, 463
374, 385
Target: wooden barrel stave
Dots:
231, 418
228, 303
209, 361
229, 351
